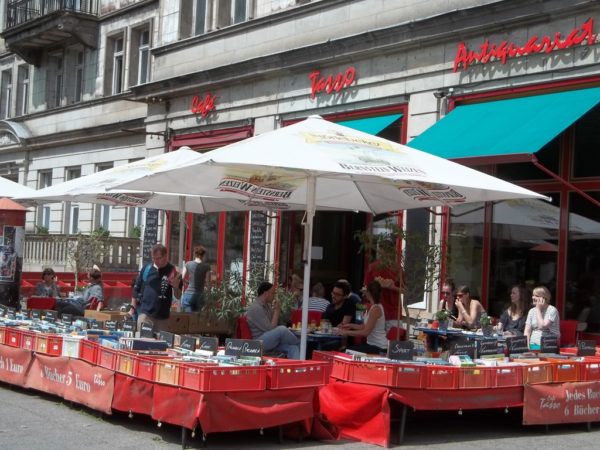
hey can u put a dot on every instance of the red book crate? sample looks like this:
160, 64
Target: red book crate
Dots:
167, 371
2, 334
144, 367
295, 374
125, 362
107, 357
589, 369
474, 377
50, 344
442, 377
229, 379
564, 370
505, 376
89, 351
411, 376
194, 375
536, 373
28, 340
340, 369
13, 337
380, 374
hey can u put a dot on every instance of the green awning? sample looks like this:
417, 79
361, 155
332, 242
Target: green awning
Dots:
371, 125
505, 127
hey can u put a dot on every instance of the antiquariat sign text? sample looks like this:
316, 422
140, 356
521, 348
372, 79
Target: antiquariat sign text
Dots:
502, 52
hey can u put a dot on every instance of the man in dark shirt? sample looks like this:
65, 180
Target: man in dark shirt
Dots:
342, 309
155, 286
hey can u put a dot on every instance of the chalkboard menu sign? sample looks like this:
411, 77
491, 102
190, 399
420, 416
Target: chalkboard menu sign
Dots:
2, 310
150, 234
549, 344
146, 331
401, 350
110, 325
586, 348
517, 344
168, 337
67, 319
258, 240
243, 347
11, 313
210, 344
51, 316
188, 343
95, 325
463, 346
487, 347
35, 314
129, 325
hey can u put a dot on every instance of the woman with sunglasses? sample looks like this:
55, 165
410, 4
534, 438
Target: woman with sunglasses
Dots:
469, 309
542, 319
448, 301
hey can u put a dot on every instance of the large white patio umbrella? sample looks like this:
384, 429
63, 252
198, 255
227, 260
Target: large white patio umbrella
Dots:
316, 164
93, 188
10, 189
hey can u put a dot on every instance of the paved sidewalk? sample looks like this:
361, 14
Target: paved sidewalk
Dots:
30, 420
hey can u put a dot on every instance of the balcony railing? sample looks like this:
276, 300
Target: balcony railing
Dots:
120, 254
21, 11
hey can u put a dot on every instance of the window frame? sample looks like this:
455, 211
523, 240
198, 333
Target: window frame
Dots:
6, 87
118, 65
23, 90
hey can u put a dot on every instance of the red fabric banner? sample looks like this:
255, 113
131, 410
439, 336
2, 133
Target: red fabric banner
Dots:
452, 400
561, 403
235, 411
49, 374
177, 406
91, 385
359, 411
132, 395
14, 364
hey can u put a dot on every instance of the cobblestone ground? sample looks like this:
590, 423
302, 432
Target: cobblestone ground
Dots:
31, 420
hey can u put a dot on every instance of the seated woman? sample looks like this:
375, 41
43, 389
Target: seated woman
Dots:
47, 287
469, 309
542, 320
92, 297
448, 301
512, 320
373, 326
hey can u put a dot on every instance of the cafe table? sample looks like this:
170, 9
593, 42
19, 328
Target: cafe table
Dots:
321, 340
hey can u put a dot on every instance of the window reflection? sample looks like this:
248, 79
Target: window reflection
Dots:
234, 242
205, 232
465, 245
583, 261
524, 248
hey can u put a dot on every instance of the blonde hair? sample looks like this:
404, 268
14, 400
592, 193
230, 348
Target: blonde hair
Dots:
542, 291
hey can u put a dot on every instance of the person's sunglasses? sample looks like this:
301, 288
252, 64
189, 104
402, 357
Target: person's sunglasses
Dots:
446, 293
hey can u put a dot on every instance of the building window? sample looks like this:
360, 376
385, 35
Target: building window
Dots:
139, 51
44, 179
22, 90
74, 219
72, 172
117, 66
58, 80
6, 94
43, 216
103, 211
200, 16
232, 12
79, 79
239, 11
194, 17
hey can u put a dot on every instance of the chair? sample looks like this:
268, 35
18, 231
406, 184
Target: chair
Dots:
396, 334
296, 316
243, 329
568, 333
34, 302
93, 304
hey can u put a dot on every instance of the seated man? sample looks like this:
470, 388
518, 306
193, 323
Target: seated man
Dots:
342, 309
263, 319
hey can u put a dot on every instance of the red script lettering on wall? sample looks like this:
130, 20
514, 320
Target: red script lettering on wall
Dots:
331, 83
546, 44
203, 106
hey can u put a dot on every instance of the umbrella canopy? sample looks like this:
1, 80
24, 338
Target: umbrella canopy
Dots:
11, 189
93, 188
319, 164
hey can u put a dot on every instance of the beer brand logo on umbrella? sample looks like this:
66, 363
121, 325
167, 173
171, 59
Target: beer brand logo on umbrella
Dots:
426, 192
336, 137
257, 187
123, 199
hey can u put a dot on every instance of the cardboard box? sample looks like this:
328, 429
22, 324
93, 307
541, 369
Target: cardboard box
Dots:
178, 323
103, 316
198, 323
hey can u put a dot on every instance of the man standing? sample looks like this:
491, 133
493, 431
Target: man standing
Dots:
154, 289
342, 309
198, 273
263, 319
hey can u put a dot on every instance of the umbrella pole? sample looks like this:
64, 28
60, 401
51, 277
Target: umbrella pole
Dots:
307, 253
182, 226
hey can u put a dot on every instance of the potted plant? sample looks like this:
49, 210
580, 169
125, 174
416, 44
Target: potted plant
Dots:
442, 316
486, 324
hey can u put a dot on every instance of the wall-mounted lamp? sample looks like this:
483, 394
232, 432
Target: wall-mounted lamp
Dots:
441, 93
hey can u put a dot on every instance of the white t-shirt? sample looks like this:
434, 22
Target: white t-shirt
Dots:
377, 336
550, 314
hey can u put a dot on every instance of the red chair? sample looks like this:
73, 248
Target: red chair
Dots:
34, 302
296, 316
396, 334
243, 329
568, 333
93, 304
